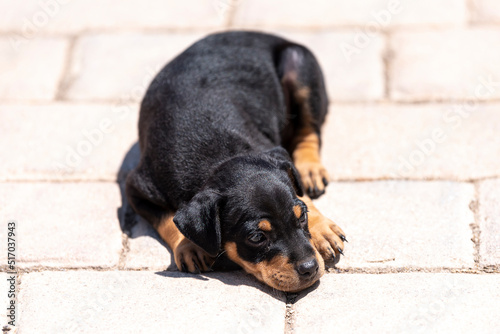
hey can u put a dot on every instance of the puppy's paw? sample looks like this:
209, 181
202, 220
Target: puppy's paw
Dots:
328, 239
191, 258
314, 178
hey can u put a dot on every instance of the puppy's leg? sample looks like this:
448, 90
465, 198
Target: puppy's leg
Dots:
326, 236
308, 163
187, 255
149, 204
307, 104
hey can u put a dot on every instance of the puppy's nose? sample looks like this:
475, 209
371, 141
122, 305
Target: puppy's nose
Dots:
307, 268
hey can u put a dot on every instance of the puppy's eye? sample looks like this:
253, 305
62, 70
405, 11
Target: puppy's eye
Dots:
257, 238
303, 218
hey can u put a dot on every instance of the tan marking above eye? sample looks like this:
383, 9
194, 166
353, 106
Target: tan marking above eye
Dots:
265, 225
297, 211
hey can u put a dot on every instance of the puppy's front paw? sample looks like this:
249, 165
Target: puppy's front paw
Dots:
328, 239
191, 258
314, 178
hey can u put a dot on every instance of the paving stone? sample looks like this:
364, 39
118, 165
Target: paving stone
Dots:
147, 250
402, 224
121, 66
489, 222
147, 302
33, 18
351, 73
401, 303
66, 141
330, 13
31, 70
451, 64
63, 224
485, 11
443, 141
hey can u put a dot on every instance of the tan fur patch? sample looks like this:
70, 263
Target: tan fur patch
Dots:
302, 95
278, 273
325, 234
169, 232
297, 211
307, 147
265, 225
249, 267
313, 215
185, 251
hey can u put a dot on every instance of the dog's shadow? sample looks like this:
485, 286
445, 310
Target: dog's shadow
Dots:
136, 227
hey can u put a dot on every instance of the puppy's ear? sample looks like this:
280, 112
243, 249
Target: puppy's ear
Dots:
284, 162
199, 221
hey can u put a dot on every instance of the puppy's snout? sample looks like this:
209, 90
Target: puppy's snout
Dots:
307, 268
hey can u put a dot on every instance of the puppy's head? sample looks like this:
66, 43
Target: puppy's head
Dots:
250, 209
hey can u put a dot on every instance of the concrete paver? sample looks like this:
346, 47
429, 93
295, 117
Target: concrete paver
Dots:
430, 141
352, 73
369, 14
485, 11
489, 222
401, 303
449, 64
33, 18
391, 224
365, 142
66, 141
121, 66
31, 70
63, 224
146, 250
148, 302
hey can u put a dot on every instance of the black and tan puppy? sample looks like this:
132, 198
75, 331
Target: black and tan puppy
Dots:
229, 133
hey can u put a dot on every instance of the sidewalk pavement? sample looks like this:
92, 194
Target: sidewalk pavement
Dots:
412, 142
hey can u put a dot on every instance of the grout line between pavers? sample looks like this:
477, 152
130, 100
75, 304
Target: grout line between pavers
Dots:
394, 28
49, 179
120, 30
475, 226
290, 314
387, 56
476, 229
376, 102
18, 299
65, 79
231, 13
124, 252
330, 271
470, 12
231, 25
409, 269
60, 180
430, 100
416, 179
